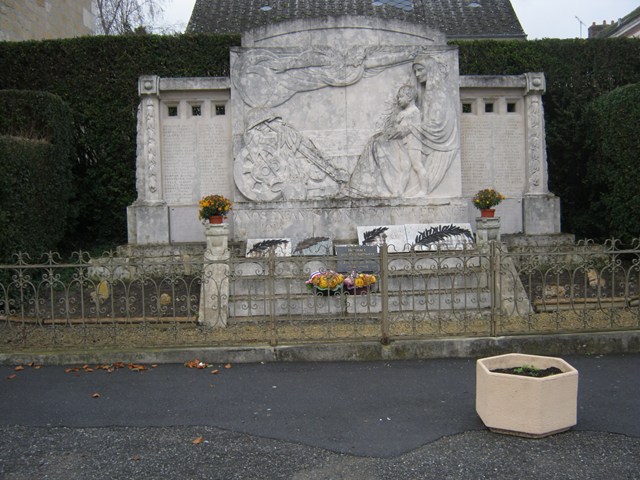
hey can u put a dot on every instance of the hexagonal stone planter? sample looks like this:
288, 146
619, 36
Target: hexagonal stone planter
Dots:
526, 406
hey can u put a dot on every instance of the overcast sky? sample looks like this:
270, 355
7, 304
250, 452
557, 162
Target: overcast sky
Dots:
539, 18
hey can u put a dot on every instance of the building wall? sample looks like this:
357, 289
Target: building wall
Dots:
45, 19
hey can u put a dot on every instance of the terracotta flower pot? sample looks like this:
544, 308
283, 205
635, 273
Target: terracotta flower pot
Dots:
216, 219
488, 212
526, 406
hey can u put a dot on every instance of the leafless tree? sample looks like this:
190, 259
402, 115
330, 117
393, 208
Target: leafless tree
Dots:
117, 17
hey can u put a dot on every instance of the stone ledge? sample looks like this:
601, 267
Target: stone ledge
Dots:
607, 343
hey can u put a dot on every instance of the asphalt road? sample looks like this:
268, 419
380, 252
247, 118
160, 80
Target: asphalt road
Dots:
413, 419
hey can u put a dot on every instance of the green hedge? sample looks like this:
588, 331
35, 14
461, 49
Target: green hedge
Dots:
98, 76
577, 72
613, 176
36, 151
30, 211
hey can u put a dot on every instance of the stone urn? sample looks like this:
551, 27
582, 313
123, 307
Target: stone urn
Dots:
526, 406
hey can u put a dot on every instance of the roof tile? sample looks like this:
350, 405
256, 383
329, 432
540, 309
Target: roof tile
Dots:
457, 18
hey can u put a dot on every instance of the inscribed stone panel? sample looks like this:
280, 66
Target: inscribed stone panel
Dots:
179, 151
214, 147
476, 146
509, 154
493, 153
196, 157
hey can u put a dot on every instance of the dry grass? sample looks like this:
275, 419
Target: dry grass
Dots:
263, 331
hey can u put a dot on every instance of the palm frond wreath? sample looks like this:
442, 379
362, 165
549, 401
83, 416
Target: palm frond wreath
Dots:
371, 235
440, 233
262, 247
309, 242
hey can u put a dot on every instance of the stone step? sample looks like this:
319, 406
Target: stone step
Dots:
464, 300
398, 280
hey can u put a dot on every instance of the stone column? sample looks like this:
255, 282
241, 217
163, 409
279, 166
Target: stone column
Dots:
148, 216
541, 209
214, 292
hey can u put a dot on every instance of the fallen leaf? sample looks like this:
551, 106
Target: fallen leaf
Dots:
12, 376
228, 365
30, 364
135, 458
215, 372
19, 368
198, 440
37, 367
155, 365
96, 395
195, 364
165, 299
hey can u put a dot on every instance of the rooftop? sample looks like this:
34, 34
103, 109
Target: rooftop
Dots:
458, 19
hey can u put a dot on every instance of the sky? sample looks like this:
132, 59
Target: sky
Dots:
539, 18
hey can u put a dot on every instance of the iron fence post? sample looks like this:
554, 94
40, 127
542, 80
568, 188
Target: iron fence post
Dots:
271, 275
494, 284
384, 291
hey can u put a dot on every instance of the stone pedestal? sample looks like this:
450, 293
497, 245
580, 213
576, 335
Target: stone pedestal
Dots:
541, 214
214, 293
148, 223
487, 229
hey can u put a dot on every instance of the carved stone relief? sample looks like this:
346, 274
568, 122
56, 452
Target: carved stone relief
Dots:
410, 155
264, 78
147, 156
279, 163
534, 141
150, 113
407, 157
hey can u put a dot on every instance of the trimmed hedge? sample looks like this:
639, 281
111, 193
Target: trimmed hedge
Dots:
36, 150
613, 176
98, 77
577, 72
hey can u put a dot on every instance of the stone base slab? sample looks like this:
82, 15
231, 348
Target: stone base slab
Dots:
338, 219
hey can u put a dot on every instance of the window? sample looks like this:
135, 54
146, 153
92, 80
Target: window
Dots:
196, 110
172, 110
488, 107
406, 5
467, 107
220, 110
511, 107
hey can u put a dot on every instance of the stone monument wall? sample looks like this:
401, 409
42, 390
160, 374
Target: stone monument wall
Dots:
327, 125
184, 153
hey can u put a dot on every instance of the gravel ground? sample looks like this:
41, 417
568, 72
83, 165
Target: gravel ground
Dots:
154, 453
341, 420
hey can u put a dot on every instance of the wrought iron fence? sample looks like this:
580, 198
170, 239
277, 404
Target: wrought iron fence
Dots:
138, 301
